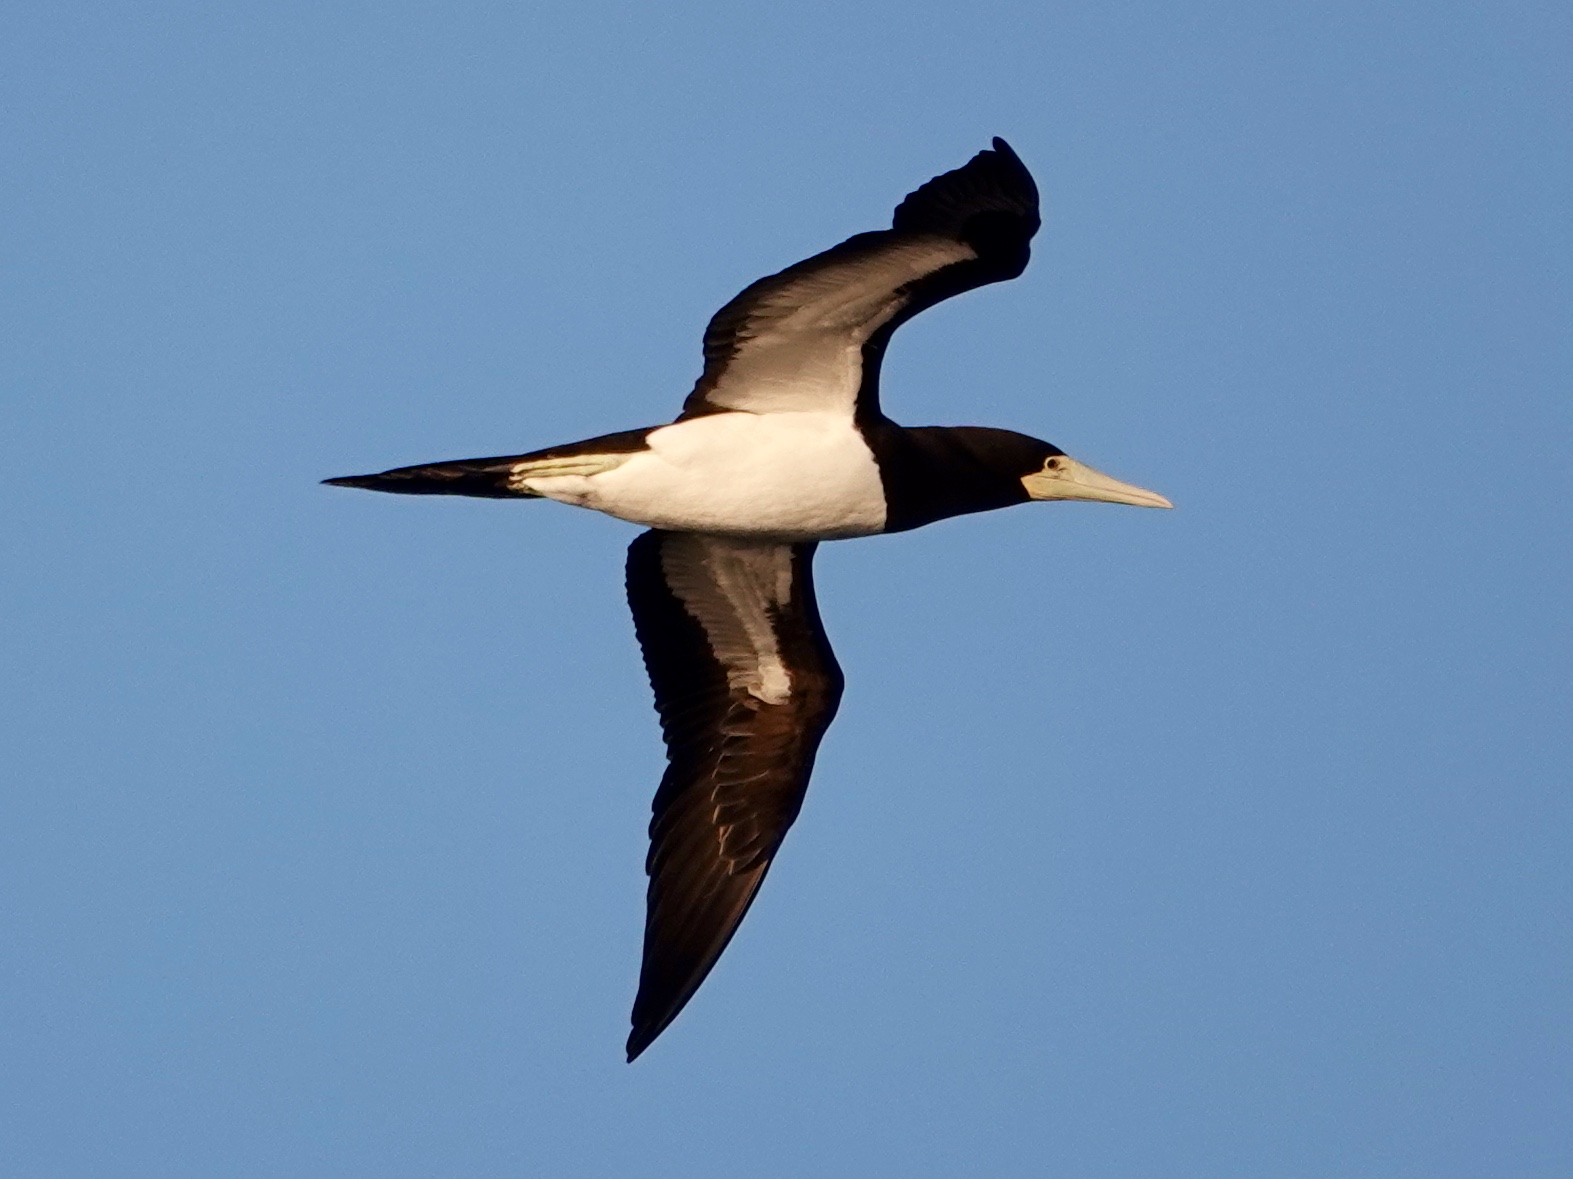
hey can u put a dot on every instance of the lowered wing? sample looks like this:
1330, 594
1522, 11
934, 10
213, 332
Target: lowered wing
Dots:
746, 685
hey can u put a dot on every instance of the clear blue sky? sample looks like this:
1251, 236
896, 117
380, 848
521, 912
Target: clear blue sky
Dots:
1231, 841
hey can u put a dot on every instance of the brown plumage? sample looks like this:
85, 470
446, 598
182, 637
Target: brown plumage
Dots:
745, 685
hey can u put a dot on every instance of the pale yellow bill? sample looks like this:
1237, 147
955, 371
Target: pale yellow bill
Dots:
1062, 477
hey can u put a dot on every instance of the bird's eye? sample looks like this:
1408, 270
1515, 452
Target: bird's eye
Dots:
1053, 464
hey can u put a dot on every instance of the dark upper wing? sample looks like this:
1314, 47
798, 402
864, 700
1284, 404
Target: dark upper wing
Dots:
746, 686
812, 336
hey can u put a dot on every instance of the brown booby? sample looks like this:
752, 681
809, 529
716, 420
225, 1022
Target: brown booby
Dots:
781, 444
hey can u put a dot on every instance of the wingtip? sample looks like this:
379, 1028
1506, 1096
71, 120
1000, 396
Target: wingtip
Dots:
648, 1027
638, 1041
349, 481
1006, 150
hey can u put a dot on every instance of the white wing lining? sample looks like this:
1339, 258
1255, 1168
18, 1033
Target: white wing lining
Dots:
747, 584
797, 343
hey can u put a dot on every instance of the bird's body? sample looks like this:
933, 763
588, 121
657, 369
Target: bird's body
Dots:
782, 444
781, 476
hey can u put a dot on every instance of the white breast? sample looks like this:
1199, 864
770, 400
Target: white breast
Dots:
781, 476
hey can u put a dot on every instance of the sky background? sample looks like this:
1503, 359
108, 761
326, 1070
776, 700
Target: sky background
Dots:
1229, 841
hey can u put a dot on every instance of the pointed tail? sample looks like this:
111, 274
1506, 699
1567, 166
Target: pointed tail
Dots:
504, 476
488, 478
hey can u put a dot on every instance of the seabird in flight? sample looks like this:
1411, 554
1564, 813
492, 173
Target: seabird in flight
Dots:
781, 444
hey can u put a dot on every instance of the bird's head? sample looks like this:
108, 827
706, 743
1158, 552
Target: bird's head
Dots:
1033, 469
934, 472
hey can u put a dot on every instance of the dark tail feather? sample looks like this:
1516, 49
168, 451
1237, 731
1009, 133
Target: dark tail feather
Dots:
484, 477
489, 477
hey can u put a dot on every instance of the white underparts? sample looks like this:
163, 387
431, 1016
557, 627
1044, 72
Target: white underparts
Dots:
780, 476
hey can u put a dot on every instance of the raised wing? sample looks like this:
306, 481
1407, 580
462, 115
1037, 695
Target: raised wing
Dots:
746, 685
812, 337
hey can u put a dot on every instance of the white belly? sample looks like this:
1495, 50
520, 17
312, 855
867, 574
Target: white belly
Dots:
781, 476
